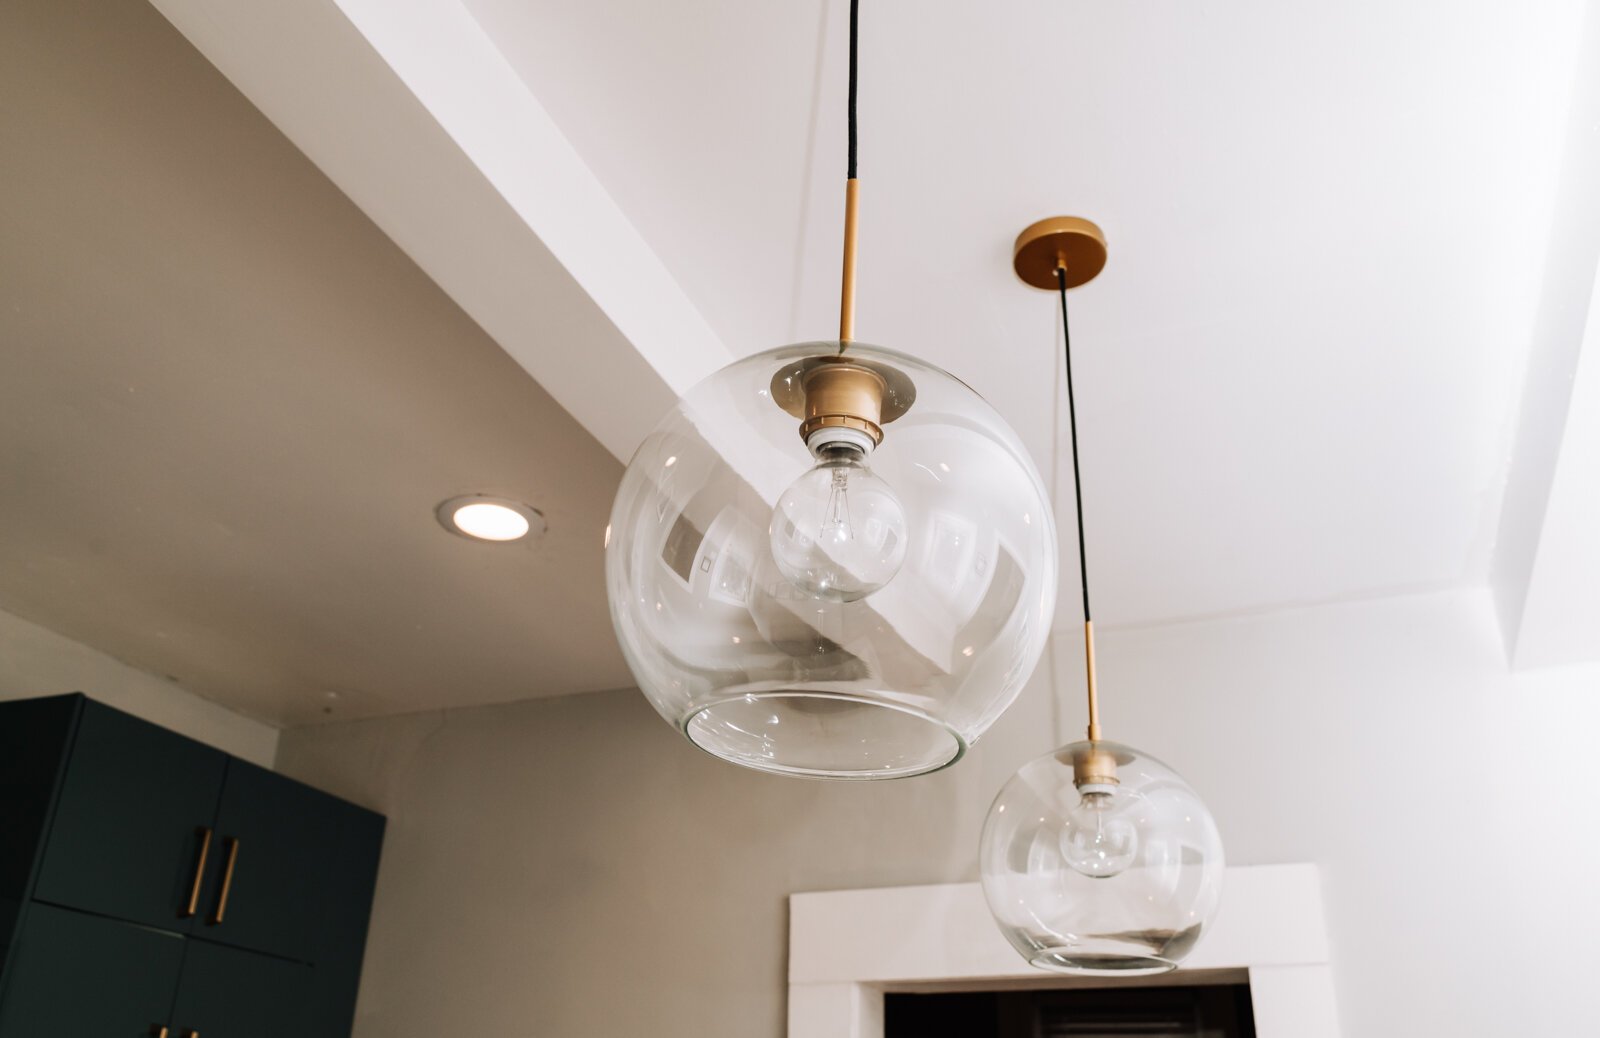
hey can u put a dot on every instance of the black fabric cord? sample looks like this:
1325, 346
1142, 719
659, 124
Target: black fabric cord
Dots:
1072, 425
851, 169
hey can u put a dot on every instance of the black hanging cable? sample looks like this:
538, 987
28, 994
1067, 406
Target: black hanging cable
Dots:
850, 171
1072, 425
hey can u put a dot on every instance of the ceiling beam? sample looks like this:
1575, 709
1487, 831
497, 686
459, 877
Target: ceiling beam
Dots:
1546, 571
411, 110
1561, 609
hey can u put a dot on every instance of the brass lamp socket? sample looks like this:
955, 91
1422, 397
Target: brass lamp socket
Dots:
843, 404
1094, 770
841, 400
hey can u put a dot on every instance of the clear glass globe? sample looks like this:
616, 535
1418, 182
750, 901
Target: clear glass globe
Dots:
1097, 877
839, 532
878, 656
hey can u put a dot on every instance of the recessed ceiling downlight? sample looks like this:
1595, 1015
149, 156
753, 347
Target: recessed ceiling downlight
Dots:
485, 518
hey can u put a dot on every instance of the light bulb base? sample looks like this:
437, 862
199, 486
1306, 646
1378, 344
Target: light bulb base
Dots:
826, 439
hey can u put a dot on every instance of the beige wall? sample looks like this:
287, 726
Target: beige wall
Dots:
38, 662
568, 868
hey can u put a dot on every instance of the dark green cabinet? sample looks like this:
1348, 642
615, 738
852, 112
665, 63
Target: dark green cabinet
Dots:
234, 993
76, 974
129, 821
280, 835
148, 881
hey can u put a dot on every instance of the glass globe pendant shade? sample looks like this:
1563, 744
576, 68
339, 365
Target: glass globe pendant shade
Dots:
1097, 859
838, 605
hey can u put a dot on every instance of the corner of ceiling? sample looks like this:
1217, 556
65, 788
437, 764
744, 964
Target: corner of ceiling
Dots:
1542, 569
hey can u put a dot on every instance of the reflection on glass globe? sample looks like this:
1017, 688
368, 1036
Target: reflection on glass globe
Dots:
790, 661
1100, 840
839, 533
1082, 880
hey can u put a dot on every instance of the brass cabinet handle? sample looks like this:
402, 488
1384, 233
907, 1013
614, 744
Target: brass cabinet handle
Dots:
193, 906
232, 843
191, 1034
157, 1031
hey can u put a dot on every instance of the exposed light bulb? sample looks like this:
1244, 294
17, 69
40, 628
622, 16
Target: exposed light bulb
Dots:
1100, 840
839, 532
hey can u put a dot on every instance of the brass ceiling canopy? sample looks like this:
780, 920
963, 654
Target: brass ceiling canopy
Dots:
1059, 242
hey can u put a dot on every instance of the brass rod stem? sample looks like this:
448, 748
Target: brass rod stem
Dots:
1088, 662
847, 292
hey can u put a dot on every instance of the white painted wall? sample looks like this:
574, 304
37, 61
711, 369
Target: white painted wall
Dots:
568, 868
39, 662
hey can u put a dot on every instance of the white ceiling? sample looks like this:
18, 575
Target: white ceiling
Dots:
1300, 375
1327, 221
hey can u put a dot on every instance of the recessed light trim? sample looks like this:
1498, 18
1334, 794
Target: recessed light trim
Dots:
494, 520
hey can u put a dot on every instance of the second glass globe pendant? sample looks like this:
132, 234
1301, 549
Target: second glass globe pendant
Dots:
831, 559
1095, 859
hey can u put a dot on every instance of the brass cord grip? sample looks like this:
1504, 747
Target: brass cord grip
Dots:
842, 394
1094, 766
847, 288
1094, 694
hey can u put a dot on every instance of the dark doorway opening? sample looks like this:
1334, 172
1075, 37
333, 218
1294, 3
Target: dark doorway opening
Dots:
1202, 1011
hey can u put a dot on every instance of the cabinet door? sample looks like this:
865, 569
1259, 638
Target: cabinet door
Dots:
34, 737
75, 974
233, 993
347, 904
125, 841
286, 845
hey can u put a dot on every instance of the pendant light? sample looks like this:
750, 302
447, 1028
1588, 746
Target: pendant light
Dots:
832, 559
1096, 858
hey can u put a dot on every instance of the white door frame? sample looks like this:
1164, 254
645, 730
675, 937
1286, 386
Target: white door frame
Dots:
848, 947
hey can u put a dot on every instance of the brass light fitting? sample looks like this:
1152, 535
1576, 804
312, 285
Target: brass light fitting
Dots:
843, 392
847, 287
841, 402
843, 396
